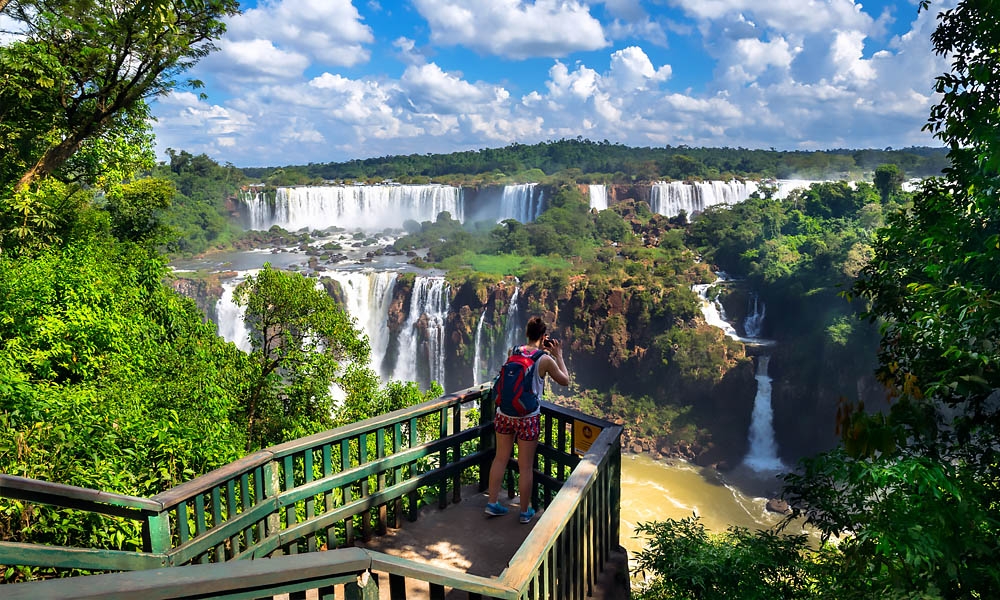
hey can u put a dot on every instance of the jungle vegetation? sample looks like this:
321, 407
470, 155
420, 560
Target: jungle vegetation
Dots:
585, 161
110, 380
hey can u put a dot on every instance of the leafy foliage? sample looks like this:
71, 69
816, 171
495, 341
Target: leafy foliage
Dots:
918, 487
82, 69
689, 563
302, 341
198, 216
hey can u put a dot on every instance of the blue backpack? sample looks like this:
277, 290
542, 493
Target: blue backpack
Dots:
512, 386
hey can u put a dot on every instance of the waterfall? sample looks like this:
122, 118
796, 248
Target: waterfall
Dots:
712, 310
787, 186
598, 197
763, 454
715, 314
477, 366
670, 198
367, 295
514, 330
369, 207
521, 202
230, 316
430, 299
754, 321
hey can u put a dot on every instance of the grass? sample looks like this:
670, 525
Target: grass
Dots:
501, 265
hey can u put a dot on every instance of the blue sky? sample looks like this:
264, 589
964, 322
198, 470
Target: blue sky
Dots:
299, 81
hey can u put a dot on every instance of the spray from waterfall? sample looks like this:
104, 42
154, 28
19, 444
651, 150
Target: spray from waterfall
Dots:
763, 454
712, 310
753, 324
522, 202
514, 329
368, 207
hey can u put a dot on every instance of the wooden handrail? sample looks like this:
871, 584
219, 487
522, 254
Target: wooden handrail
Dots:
376, 422
170, 498
284, 479
543, 535
200, 580
71, 496
219, 579
206, 482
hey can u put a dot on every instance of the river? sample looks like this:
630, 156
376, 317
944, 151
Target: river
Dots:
654, 490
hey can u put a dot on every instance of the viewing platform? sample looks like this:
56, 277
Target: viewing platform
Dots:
390, 507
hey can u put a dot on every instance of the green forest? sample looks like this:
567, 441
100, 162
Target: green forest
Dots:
110, 380
586, 161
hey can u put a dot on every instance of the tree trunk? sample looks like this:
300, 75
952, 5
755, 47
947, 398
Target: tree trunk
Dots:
53, 158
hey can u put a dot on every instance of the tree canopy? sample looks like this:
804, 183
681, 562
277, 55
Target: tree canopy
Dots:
913, 493
80, 71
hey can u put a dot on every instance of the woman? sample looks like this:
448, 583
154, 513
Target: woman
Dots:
546, 359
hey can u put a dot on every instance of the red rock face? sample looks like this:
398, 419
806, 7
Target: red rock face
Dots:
205, 291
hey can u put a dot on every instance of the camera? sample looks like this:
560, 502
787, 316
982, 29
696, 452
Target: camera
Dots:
548, 342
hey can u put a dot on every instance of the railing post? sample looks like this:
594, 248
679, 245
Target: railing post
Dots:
443, 458
615, 466
156, 533
487, 440
365, 588
272, 488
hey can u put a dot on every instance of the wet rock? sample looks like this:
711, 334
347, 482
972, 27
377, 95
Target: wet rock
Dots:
777, 505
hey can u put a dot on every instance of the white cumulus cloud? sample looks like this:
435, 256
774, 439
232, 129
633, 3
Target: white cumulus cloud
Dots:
632, 70
514, 29
787, 74
330, 31
260, 59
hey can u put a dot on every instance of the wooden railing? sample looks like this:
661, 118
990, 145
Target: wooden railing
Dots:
326, 490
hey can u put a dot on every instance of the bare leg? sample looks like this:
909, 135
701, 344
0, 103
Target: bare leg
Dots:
505, 445
525, 466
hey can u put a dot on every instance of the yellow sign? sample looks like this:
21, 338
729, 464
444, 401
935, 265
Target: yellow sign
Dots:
584, 435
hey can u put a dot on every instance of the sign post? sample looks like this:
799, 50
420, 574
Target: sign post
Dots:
584, 435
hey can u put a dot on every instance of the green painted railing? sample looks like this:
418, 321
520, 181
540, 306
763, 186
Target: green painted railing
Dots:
326, 490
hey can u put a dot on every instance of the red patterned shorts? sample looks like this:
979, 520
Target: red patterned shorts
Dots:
522, 428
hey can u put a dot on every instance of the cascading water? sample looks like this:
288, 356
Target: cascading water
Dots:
367, 295
521, 202
712, 310
754, 322
368, 207
514, 329
763, 454
598, 197
670, 198
430, 299
491, 349
477, 366
715, 314
230, 316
